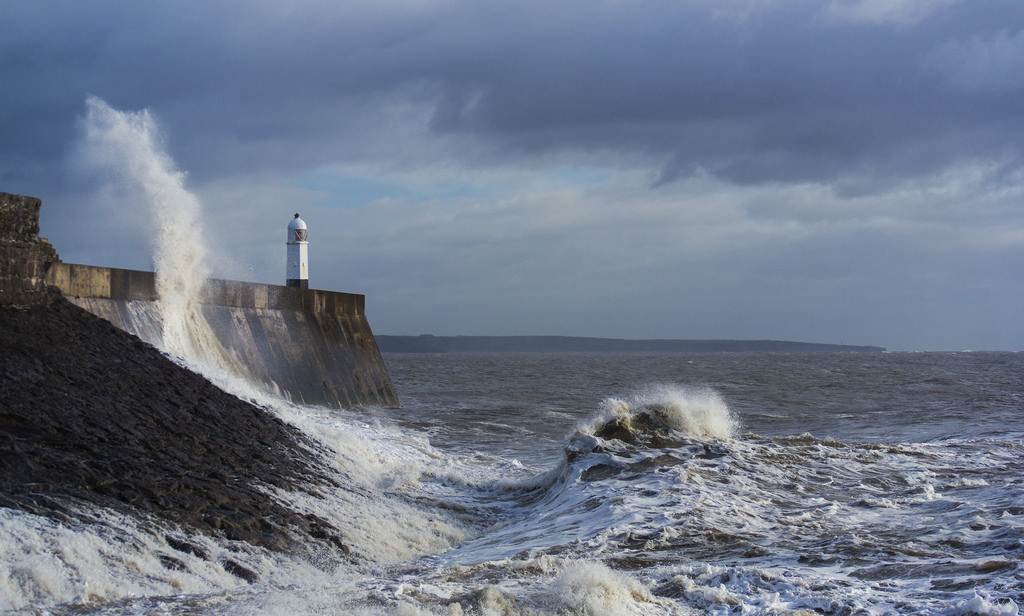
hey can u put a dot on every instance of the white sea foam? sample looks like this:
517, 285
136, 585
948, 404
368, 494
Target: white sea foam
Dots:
592, 588
377, 470
45, 562
979, 605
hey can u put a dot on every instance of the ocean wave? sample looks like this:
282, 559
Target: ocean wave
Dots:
664, 416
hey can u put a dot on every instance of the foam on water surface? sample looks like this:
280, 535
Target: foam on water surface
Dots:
749, 523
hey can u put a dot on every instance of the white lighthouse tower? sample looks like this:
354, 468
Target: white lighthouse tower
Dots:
298, 254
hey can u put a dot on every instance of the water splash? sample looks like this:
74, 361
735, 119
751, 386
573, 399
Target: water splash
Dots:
699, 413
129, 142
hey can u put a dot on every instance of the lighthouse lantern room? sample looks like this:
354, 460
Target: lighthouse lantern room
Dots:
298, 254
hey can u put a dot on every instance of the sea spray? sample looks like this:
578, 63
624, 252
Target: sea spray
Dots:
129, 142
590, 587
700, 412
697, 412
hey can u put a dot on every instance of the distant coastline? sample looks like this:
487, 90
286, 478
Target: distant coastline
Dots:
570, 344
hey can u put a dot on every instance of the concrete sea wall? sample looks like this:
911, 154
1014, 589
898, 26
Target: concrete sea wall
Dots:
314, 345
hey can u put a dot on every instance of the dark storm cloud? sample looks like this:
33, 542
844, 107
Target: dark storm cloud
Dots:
782, 96
781, 93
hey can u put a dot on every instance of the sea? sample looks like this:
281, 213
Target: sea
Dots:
618, 484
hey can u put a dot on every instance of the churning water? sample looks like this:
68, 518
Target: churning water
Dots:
615, 484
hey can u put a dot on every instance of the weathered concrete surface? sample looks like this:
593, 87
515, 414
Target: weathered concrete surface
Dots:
314, 345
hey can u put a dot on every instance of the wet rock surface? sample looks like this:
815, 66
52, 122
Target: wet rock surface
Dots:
92, 415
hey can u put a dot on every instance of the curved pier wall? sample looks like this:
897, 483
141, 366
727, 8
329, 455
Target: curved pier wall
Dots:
314, 345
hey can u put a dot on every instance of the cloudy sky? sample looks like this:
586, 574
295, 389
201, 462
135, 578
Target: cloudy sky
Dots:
847, 171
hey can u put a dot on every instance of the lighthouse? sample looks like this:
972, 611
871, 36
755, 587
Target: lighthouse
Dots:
298, 254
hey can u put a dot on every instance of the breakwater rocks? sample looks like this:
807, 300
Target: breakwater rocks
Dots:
93, 416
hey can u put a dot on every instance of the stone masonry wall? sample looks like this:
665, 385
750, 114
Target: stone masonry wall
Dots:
24, 256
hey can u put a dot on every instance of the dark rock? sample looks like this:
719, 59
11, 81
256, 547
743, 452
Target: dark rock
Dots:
187, 547
92, 415
241, 571
172, 563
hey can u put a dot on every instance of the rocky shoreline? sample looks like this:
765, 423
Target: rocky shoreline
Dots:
90, 415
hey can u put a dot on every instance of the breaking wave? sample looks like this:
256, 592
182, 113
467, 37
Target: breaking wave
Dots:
665, 415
